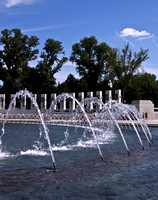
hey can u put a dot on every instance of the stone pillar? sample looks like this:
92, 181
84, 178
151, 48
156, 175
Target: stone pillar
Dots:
23, 102
63, 105
53, 97
72, 103
35, 97
43, 101
2, 101
90, 106
14, 104
99, 95
80, 96
118, 95
108, 97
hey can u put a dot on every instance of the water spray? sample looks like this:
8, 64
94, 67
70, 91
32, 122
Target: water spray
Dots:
66, 95
23, 93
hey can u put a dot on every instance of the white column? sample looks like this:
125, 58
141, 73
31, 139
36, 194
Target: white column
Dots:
80, 96
23, 102
14, 104
35, 97
90, 106
2, 101
118, 95
72, 103
53, 97
43, 101
108, 97
99, 95
63, 105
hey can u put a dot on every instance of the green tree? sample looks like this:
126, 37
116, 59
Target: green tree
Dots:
72, 84
142, 86
18, 50
52, 59
126, 65
91, 59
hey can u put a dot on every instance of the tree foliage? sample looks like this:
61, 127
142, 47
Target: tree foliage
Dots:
18, 50
126, 65
49, 65
142, 86
72, 84
96, 63
91, 59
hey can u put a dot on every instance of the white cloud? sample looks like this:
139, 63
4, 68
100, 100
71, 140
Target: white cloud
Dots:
10, 3
147, 37
140, 35
50, 27
133, 33
45, 28
124, 39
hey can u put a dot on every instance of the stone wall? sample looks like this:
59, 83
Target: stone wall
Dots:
146, 108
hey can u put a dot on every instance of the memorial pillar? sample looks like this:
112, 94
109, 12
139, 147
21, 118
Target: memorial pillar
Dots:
108, 97
118, 96
72, 103
35, 97
63, 105
14, 104
2, 101
23, 102
99, 95
90, 106
44, 102
53, 97
80, 96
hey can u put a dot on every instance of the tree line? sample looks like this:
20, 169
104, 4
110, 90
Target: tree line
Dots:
100, 67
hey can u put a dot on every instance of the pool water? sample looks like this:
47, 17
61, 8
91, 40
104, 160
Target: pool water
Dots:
26, 170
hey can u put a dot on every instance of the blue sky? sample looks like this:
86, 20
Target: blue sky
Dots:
115, 22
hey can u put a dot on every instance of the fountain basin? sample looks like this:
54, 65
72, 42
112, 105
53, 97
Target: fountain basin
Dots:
82, 175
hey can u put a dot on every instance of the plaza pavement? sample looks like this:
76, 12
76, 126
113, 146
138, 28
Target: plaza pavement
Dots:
150, 122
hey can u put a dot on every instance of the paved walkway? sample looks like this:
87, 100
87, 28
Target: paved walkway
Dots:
152, 122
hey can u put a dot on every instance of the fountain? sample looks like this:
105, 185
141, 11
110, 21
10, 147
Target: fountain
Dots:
73, 139
122, 112
111, 114
23, 93
66, 95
